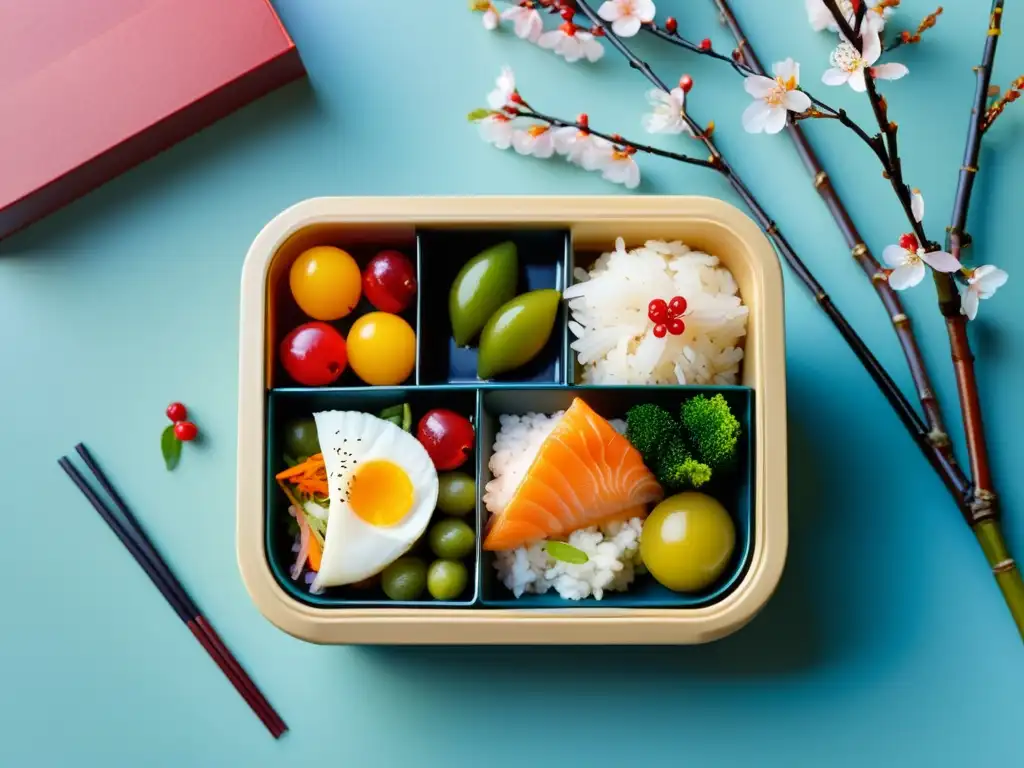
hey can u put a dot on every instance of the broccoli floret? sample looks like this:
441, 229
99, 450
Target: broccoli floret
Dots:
712, 430
676, 470
648, 427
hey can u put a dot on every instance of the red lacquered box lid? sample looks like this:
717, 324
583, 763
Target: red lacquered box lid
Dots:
79, 77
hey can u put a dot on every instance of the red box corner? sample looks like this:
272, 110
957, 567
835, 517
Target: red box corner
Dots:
90, 89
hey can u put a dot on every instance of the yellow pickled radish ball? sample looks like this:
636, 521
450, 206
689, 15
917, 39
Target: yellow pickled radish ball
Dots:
687, 541
382, 349
326, 282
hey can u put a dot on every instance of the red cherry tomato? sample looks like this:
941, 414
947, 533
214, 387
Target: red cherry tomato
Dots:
185, 431
447, 436
177, 412
389, 281
314, 354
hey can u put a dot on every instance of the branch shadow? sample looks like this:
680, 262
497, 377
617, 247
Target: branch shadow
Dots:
236, 133
785, 638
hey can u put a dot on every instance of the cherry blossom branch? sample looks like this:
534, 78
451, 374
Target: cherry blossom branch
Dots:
940, 459
670, 34
869, 265
582, 123
956, 239
983, 510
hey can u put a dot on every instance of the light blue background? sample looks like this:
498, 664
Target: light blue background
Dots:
886, 643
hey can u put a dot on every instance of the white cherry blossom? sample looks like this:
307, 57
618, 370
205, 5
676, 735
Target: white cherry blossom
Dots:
627, 16
982, 284
572, 143
616, 164
535, 140
526, 21
504, 88
491, 17
572, 43
667, 113
821, 18
773, 98
849, 64
497, 129
917, 204
908, 259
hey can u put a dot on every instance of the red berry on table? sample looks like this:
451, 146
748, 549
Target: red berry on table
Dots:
177, 412
676, 326
677, 306
389, 281
185, 431
659, 331
657, 311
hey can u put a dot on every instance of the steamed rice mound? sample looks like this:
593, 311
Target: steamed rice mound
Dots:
613, 549
615, 342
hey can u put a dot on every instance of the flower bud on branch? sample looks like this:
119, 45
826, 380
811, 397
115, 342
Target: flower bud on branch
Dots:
1011, 95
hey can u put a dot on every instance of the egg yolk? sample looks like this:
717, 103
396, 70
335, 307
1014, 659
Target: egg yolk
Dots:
380, 492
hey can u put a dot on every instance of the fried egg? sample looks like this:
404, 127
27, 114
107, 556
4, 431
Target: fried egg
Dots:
382, 490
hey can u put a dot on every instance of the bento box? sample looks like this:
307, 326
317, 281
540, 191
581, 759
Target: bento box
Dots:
462, 422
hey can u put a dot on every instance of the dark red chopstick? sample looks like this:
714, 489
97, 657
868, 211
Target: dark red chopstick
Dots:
135, 539
195, 619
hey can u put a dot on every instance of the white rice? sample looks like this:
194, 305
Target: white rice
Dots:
615, 342
613, 549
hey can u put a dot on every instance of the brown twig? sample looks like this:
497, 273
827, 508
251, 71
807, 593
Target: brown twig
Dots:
868, 264
1000, 103
904, 410
984, 503
910, 38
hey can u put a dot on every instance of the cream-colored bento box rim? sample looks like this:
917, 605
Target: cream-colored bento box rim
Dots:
534, 626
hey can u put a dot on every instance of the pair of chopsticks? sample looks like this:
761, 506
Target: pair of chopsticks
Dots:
131, 534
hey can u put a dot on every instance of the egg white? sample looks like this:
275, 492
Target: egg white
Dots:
353, 549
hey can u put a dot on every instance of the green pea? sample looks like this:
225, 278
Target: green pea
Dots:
447, 579
517, 332
483, 284
451, 538
405, 578
456, 493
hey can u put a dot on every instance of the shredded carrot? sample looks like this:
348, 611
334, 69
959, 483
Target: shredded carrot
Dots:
308, 477
315, 554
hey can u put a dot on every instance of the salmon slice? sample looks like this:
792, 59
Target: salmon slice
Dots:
584, 474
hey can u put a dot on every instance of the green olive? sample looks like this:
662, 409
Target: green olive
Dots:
451, 538
405, 578
456, 493
484, 283
687, 541
517, 332
446, 579
300, 439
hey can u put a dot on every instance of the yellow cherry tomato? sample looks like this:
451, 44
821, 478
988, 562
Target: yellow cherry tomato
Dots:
687, 541
382, 349
326, 282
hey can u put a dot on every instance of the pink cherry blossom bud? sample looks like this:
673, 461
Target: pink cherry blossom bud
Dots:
671, 25
705, 44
